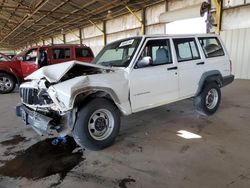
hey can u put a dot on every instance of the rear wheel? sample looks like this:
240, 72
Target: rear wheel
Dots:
208, 101
97, 124
7, 83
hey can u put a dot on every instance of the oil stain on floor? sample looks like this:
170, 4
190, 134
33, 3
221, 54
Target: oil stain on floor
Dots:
43, 159
13, 141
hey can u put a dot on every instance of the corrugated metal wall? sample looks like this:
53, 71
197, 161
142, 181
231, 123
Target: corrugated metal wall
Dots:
237, 42
236, 35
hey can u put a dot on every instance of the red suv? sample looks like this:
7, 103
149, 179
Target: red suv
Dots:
15, 70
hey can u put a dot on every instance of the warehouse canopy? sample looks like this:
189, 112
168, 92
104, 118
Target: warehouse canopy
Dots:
26, 21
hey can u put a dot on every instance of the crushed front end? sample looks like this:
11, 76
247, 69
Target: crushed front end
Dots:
38, 110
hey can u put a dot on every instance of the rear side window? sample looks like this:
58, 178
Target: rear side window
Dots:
83, 52
61, 53
211, 46
186, 49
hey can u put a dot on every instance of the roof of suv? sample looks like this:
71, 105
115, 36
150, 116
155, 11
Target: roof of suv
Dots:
177, 35
60, 45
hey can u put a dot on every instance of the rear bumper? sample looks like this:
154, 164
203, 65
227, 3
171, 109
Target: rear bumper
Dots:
227, 80
39, 122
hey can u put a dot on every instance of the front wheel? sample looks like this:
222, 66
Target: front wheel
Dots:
97, 124
208, 101
7, 83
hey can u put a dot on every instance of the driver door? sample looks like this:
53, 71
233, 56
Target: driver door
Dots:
29, 63
156, 84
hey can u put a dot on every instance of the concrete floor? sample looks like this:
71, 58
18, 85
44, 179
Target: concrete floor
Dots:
148, 151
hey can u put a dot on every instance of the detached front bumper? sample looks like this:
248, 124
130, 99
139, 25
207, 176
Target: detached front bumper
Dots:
39, 122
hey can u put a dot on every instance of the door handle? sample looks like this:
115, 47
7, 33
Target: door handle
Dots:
173, 68
201, 63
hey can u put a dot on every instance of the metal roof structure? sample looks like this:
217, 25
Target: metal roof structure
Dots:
23, 21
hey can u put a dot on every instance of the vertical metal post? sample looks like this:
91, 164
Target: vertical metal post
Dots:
64, 39
143, 21
218, 6
43, 42
80, 36
104, 33
52, 40
103, 30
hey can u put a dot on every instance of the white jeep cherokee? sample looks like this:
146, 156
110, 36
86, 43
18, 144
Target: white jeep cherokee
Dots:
127, 76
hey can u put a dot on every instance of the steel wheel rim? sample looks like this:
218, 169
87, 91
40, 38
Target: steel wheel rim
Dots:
101, 124
212, 98
5, 84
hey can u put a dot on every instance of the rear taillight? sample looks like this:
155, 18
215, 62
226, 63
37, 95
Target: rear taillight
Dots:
230, 67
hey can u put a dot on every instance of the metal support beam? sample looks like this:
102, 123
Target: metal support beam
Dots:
166, 5
143, 21
52, 40
39, 6
43, 42
80, 35
104, 33
64, 39
103, 30
139, 20
218, 6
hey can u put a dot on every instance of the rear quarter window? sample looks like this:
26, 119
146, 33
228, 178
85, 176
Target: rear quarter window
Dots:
211, 46
83, 52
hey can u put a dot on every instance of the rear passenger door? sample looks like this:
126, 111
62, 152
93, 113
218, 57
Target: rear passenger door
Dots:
190, 65
61, 54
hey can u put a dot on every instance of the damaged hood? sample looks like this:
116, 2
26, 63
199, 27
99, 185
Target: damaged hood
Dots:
54, 73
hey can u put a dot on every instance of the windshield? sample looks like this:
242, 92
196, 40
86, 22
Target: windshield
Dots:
3, 58
20, 55
118, 54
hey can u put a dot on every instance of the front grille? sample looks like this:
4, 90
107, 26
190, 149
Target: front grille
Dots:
32, 96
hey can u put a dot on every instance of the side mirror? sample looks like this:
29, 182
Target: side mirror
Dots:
144, 62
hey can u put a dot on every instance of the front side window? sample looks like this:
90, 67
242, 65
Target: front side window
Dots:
186, 49
61, 53
159, 52
31, 55
211, 46
83, 52
118, 54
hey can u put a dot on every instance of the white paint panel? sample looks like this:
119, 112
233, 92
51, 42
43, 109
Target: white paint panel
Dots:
124, 34
236, 18
95, 43
74, 42
231, 3
58, 39
40, 43
156, 29
238, 46
174, 5
122, 23
47, 41
72, 36
153, 13
92, 31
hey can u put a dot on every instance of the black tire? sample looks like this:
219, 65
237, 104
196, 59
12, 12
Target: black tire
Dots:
11, 83
200, 101
81, 132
